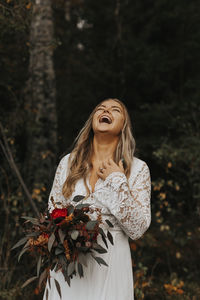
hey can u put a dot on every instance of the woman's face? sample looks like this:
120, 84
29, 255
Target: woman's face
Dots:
108, 118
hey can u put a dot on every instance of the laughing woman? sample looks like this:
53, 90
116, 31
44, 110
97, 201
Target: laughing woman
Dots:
102, 167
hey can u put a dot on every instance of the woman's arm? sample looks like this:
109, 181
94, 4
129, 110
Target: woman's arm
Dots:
131, 204
56, 195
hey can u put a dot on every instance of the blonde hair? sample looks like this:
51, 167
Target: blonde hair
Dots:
80, 157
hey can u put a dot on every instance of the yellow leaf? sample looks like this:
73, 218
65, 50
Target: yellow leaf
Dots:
180, 291
178, 255
144, 284
156, 188
169, 165
162, 196
181, 284
36, 191
28, 6
158, 214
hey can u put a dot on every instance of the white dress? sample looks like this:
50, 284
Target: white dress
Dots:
126, 203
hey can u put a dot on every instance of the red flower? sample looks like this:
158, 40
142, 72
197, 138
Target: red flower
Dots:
45, 235
59, 212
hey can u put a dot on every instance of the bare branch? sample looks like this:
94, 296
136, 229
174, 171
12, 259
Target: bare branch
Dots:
8, 154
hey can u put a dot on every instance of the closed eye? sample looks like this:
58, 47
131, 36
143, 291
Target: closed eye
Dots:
116, 109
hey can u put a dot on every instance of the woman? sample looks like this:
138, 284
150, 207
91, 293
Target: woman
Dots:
102, 167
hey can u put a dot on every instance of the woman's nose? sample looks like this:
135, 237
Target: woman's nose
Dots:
106, 110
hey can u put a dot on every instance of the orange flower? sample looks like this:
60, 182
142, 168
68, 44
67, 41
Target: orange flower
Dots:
67, 219
41, 240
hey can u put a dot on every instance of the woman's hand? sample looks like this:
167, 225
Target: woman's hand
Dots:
108, 167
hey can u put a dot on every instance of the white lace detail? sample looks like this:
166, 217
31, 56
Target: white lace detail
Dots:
56, 191
126, 203
130, 202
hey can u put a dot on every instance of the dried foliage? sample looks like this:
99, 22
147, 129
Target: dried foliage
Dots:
61, 240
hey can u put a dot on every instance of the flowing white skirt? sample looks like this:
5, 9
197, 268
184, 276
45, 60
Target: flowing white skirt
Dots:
114, 282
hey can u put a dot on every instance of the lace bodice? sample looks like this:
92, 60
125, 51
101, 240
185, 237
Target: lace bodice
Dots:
125, 202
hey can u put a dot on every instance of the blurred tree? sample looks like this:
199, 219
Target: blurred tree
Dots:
41, 97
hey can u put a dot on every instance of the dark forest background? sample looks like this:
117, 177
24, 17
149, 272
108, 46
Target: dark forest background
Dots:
57, 61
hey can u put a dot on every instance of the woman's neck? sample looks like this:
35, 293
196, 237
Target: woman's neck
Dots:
104, 148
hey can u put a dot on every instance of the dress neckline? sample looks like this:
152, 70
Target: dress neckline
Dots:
95, 186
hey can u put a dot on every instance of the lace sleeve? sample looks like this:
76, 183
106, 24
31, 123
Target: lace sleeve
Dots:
130, 204
56, 197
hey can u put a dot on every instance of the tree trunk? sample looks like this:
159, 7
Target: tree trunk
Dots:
41, 98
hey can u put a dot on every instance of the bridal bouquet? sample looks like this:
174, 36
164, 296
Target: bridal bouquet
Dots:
60, 241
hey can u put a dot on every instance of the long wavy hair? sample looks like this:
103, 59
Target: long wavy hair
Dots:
80, 157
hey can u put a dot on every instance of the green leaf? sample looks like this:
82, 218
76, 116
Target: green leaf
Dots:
47, 294
74, 234
67, 278
28, 281
58, 287
58, 203
49, 281
42, 277
90, 225
109, 223
78, 198
62, 235
100, 260
32, 220
83, 249
110, 237
57, 268
51, 241
102, 232
70, 209
104, 240
59, 250
82, 205
63, 261
99, 248
70, 268
20, 242
39, 265
83, 259
80, 269
33, 234
53, 265
22, 252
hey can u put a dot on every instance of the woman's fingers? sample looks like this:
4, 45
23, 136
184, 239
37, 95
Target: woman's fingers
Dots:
111, 162
102, 173
104, 164
108, 167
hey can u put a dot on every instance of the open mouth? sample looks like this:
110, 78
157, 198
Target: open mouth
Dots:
105, 119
